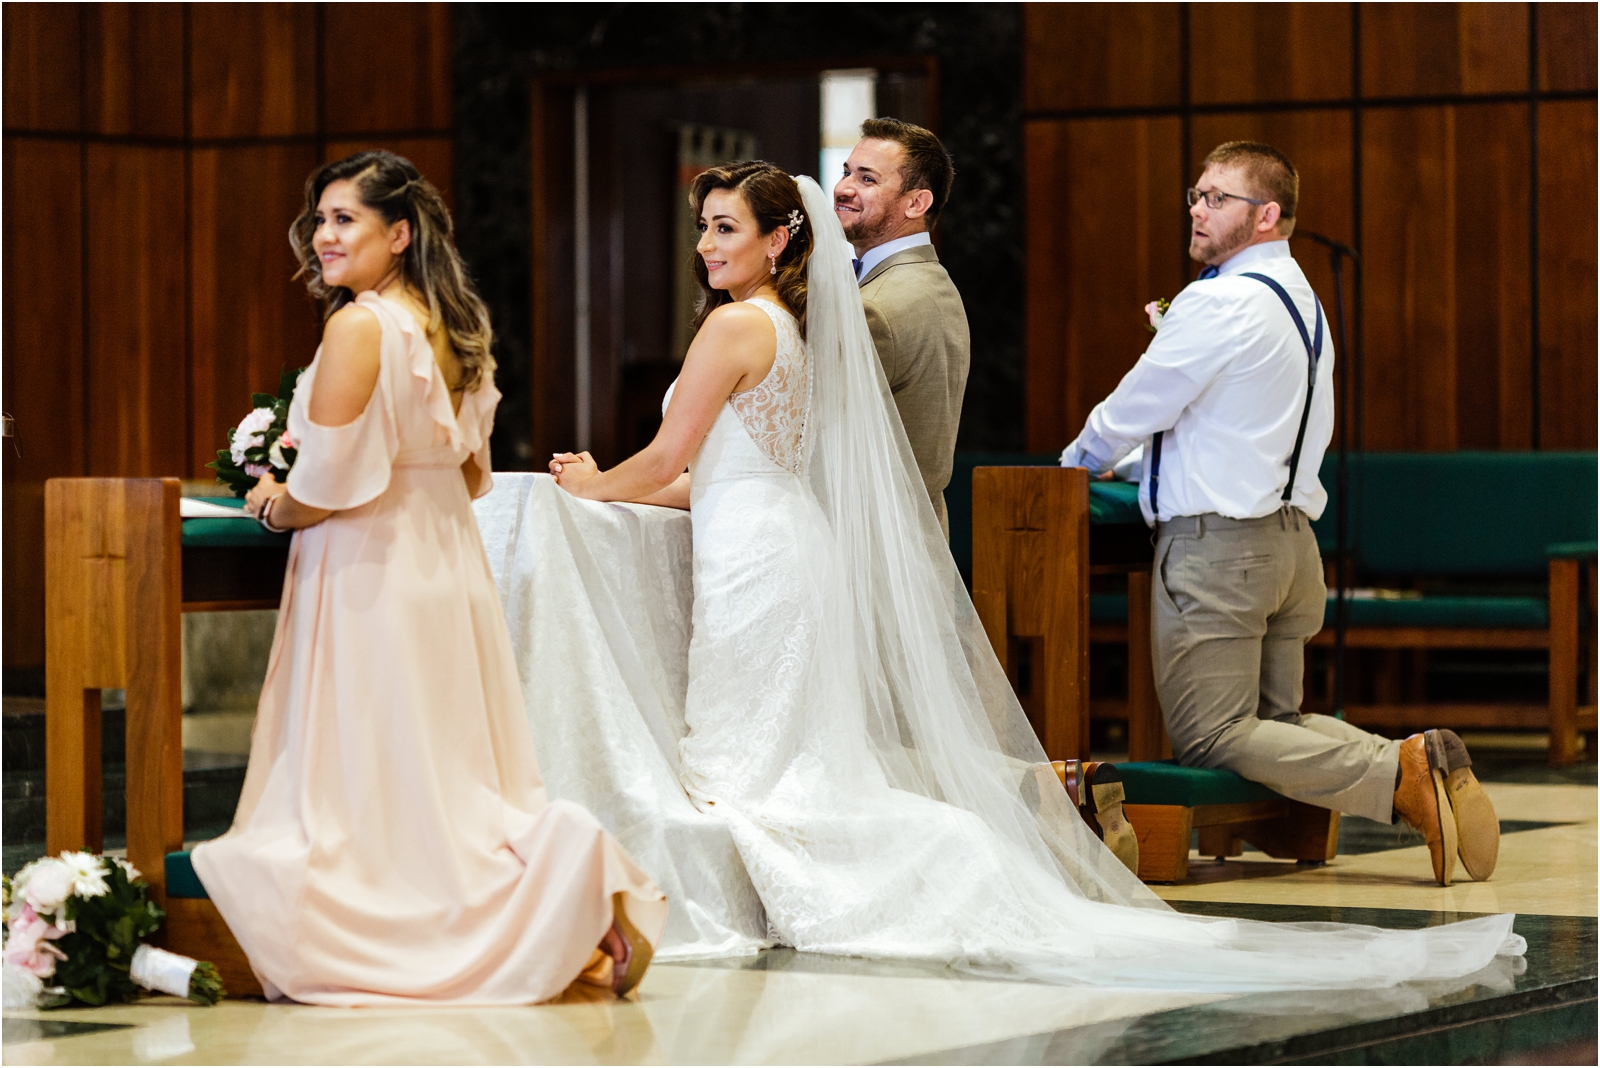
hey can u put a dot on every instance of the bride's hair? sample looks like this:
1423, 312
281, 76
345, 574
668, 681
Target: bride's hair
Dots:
391, 186
773, 199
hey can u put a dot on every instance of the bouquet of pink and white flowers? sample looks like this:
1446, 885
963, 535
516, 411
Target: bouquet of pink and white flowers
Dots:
261, 442
79, 919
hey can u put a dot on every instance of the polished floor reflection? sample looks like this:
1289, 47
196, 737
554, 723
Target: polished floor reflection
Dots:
788, 1008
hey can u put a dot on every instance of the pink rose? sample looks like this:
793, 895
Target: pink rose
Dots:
31, 944
256, 470
286, 442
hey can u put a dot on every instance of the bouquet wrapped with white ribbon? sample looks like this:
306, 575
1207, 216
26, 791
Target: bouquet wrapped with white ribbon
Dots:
74, 932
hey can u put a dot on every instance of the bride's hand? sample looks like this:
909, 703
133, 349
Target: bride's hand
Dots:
572, 470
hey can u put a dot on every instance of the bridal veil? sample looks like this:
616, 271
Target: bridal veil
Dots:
911, 669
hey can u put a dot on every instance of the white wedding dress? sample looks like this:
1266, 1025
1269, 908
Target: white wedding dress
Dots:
847, 757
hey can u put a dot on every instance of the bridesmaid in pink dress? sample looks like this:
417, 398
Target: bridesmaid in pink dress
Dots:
394, 841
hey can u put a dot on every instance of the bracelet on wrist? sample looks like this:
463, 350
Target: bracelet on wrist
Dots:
264, 517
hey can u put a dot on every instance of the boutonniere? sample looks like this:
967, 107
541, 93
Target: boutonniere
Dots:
1157, 310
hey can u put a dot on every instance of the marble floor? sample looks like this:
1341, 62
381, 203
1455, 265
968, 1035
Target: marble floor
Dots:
787, 1008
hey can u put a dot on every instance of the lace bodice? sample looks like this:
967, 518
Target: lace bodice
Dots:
774, 412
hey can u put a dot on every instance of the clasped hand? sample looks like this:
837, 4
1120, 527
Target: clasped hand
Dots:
572, 470
266, 488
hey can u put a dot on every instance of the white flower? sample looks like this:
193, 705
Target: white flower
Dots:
45, 884
251, 433
88, 876
275, 454
128, 869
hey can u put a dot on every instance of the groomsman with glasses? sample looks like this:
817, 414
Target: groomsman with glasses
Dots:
1232, 406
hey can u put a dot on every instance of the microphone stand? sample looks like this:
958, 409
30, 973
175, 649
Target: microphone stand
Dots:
1337, 253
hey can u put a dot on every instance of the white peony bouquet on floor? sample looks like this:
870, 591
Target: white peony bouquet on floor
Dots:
80, 920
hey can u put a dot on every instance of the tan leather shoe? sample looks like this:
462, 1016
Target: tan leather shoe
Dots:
1096, 788
1421, 800
1477, 826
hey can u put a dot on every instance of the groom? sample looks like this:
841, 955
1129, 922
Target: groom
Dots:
895, 184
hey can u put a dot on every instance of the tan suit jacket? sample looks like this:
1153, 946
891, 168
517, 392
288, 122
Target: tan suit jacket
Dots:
920, 328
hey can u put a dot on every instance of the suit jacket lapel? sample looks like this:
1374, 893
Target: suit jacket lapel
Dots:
916, 254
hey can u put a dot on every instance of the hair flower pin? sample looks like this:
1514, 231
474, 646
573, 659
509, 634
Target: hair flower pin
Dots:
795, 219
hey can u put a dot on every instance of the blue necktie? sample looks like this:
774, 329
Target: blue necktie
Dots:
1209, 272
856, 264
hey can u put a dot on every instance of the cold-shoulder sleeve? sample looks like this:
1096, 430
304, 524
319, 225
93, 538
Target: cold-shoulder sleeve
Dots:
476, 420
340, 467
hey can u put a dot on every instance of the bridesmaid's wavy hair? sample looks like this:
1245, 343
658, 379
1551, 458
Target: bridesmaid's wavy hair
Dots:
770, 194
393, 187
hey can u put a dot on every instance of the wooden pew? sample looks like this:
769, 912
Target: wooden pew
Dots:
117, 579
1038, 533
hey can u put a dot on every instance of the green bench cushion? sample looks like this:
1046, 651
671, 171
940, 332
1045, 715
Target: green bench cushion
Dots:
1164, 782
1572, 550
243, 532
1462, 513
1108, 608
181, 879
1529, 613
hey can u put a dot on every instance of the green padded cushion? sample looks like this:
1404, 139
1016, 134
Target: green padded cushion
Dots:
1462, 513
1108, 608
242, 532
1109, 502
1568, 550
181, 879
1163, 782
1518, 612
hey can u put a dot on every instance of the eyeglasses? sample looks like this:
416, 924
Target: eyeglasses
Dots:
1214, 199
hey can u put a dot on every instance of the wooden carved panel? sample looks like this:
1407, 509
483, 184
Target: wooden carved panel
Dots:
137, 337
413, 67
1433, 49
1567, 328
253, 70
1107, 233
42, 369
1100, 56
250, 319
41, 66
133, 69
1268, 52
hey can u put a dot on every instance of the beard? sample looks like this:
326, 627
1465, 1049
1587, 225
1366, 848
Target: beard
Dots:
1220, 248
861, 230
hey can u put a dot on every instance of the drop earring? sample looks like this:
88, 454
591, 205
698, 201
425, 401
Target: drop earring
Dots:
774, 267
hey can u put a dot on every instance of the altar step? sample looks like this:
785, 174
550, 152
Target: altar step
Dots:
211, 786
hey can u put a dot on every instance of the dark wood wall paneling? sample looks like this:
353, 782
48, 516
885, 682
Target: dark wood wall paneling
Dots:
1421, 159
154, 156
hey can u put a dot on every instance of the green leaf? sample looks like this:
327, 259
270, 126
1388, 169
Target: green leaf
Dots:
261, 400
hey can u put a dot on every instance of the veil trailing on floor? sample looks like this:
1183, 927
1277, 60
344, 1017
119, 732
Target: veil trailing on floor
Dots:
912, 671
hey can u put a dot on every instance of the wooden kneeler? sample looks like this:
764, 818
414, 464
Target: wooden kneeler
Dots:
114, 597
1166, 802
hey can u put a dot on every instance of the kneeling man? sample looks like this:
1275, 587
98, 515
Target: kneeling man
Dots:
1233, 405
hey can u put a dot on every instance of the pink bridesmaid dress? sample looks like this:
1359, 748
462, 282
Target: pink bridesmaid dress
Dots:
393, 841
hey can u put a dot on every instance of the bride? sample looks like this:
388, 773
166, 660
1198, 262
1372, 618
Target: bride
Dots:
844, 721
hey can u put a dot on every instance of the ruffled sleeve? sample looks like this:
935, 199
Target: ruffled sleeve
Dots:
340, 467
476, 420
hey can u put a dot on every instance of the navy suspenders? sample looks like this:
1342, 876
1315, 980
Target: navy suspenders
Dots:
1313, 354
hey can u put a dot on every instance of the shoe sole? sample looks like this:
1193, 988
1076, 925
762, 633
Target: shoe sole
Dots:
1449, 841
640, 951
1470, 807
1115, 830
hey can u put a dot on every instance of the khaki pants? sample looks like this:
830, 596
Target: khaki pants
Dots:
1234, 603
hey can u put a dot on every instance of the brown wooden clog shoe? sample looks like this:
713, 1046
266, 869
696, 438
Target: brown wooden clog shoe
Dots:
1421, 800
1095, 787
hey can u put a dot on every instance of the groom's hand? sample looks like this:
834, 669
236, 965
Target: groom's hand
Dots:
572, 470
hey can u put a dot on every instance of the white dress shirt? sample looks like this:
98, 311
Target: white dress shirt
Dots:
1225, 378
876, 255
